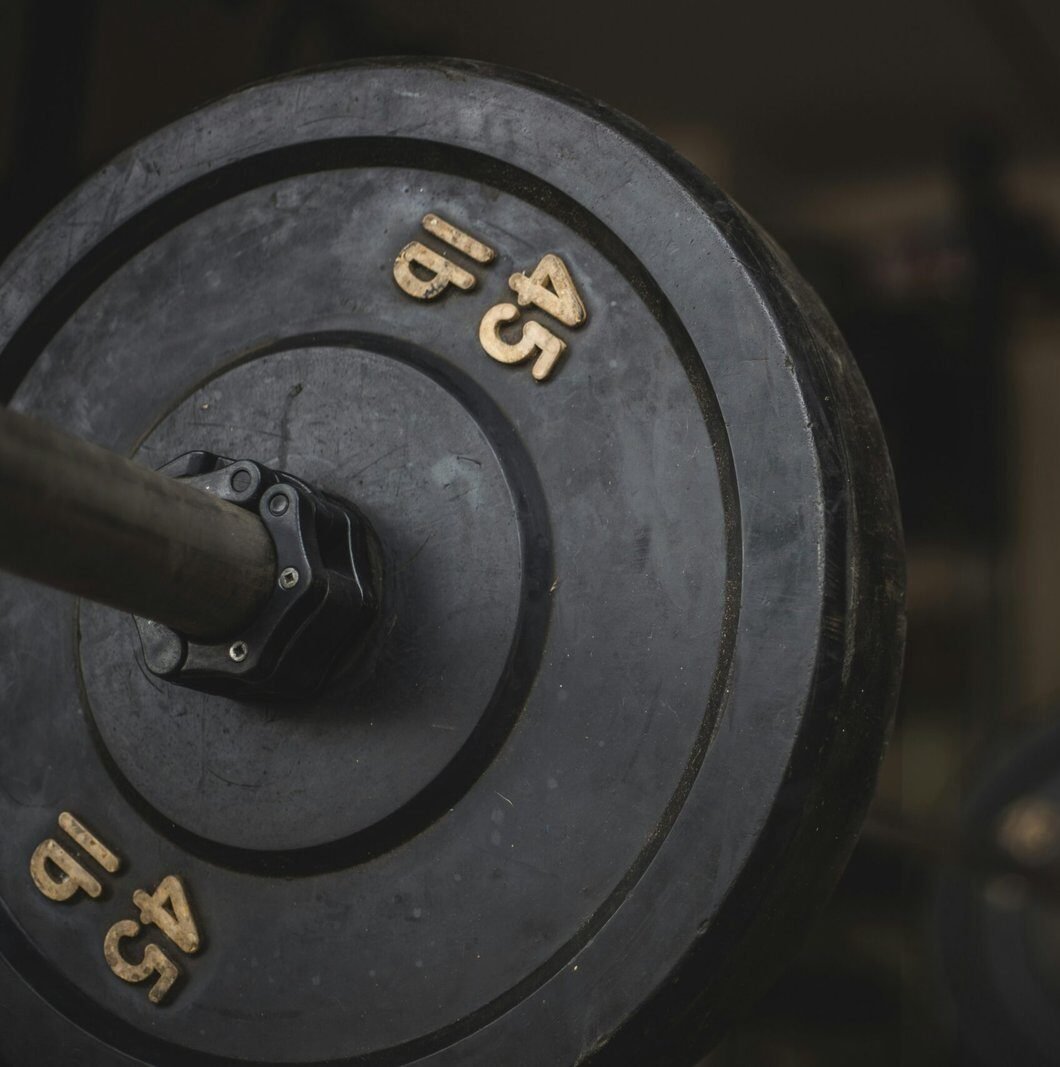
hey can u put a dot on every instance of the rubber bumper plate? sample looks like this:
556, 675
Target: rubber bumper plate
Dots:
641, 631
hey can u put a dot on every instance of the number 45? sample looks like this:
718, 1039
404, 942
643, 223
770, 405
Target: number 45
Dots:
550, 288
168, 909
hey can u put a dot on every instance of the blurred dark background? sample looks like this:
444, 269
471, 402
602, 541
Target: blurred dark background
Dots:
907, 155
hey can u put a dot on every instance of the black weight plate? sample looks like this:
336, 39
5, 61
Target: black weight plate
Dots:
643, 624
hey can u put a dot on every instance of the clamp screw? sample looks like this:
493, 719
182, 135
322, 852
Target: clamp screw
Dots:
288, 578
238, 651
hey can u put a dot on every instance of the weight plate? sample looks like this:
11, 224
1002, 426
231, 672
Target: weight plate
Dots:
999, 936
642, 624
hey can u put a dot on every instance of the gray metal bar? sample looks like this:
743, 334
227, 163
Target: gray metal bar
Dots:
86, 520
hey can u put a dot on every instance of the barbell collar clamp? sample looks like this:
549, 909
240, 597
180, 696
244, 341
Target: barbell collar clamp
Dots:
316, 625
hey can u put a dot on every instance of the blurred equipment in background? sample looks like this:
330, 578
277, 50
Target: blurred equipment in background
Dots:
999, 929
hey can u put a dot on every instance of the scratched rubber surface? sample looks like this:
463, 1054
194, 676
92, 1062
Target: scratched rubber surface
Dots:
643, 617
